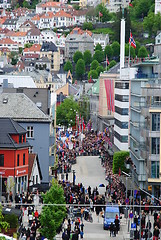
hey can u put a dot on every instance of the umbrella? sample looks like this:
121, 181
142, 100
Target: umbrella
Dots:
101, 185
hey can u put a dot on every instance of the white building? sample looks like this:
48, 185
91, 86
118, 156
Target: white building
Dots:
18, 81
52, 7
102, 39
157, 6
4, 4
48, 36
114, 5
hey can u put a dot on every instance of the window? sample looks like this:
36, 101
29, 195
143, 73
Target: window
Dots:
156, 122
123, 125
24, 159
155, 146
30, 131
24, 135
123, 139
33, 180
31, 149
121, 111
1, 160
18, 160
36, 179
154, 169
20, 138
122, 98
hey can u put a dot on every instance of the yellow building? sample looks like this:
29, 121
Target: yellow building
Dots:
52, 52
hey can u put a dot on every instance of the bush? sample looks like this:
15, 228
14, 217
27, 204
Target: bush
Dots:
12, 220
119, 161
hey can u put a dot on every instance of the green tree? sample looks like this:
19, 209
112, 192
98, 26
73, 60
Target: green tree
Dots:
93, 74
116, 49
87, 26
132, 51
77, 55
108, 52
99, 69
106, 15
66, 112
98, 55
149, 22
112, 64
80, 68
94, 65
119, 161
25, 4
137, 47
98, 47
76, 7
87, 57
28, 45
20, 50
52, 215
3, 224
68, 66
142, 52
141, 7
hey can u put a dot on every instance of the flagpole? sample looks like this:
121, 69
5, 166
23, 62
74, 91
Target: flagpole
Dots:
106, 63
129, 50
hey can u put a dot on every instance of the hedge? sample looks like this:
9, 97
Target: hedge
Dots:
119, 161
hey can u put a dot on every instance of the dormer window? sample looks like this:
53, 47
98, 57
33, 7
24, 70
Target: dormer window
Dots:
20, 138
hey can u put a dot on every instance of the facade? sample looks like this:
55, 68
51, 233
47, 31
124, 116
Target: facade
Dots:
34, 171
157, 52
102, 39
157, 6
37, 124
114, 5
9, 44
48, 36
5, 4
49, 50
93, 94
13, 155
145, 126
52, 7
78, 42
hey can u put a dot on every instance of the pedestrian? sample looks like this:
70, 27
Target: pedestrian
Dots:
156, 233
111, 229
65, 235
117, 223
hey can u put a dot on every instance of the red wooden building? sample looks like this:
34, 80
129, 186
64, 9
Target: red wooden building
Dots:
13, 155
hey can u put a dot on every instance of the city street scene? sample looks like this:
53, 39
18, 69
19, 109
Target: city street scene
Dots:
80, 128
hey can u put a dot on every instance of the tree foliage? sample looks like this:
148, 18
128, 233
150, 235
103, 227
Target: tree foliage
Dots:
141, 7
94, 65
142, 52
112, 64
66, 112
87, 26
116, 49
77, 55
107, 16
3, 224
68, 66
80, 68
98, 47
132, 51
119, 161
98, 55
93, 74
52, 216
99, 69
108, 52
87, 57
152, 23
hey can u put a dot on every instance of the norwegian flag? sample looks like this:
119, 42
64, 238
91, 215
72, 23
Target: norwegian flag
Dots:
107, 60
132, 41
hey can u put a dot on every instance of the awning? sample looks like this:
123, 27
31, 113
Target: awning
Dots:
8, 210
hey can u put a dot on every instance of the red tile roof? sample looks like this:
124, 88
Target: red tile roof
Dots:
62, 13
7, 41
33, 48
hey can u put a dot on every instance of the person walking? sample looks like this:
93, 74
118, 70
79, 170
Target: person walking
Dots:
111, 229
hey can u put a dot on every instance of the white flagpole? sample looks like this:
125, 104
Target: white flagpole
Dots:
129, 49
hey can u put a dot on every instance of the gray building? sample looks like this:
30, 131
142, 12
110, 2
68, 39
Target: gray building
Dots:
157, 52
93, 94
78, 42
145, 109
19, 107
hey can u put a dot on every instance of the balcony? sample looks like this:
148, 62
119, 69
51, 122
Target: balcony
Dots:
146, 76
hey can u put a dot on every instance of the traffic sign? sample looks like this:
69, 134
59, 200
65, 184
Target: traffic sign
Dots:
133, 226
131, 215
127, 201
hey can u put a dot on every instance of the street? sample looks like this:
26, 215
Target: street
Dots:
90, 172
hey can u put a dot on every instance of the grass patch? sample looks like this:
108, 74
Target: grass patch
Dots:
103, 30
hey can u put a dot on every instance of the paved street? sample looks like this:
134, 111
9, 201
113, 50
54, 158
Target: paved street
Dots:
90, 172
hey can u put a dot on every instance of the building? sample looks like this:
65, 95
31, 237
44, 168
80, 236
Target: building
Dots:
48, 36
13, 154
145, 109
52, 7
78, 40
157, 6
34, 170
49, 50
37, 124
63, 19
93, 94
102, 39
115, 5
17, 81
9, 44
10, 24
157, 52
5, 4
